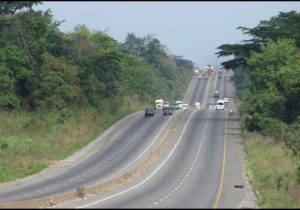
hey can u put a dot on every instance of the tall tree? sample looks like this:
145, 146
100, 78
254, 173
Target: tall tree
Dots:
11, 7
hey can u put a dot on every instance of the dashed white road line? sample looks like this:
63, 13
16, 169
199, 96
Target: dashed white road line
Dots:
190, 169
153, 173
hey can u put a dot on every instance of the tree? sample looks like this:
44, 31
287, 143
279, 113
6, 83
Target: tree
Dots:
10, 7
285, 25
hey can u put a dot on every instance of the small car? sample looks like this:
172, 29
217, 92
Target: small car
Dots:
149, 112
185, 106
167, 111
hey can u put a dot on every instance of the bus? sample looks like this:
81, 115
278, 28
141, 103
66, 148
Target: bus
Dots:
220, 105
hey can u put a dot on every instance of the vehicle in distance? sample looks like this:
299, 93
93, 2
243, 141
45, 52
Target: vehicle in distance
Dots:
165, 104
167, 111
197, 105
220, 105
196, 71
174, 106
149, 112
219, 77
216, 94
225, 100
185, 106
179, 103
159, 103
199, 76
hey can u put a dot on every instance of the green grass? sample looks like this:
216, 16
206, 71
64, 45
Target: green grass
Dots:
272, 170
35, 140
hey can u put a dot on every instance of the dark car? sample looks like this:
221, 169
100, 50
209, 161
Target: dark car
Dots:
167, 111
149, 112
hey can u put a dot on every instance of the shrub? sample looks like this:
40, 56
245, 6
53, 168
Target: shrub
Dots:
64, 114
9, 101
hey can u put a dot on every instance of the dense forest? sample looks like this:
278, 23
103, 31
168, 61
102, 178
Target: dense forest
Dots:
43, 68
267, 77
59, 91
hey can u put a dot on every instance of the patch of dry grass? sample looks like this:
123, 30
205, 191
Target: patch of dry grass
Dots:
272, 170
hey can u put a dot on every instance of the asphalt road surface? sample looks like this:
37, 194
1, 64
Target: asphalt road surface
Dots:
201, 166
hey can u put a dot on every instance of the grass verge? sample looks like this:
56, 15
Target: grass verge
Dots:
35, 140
272, 170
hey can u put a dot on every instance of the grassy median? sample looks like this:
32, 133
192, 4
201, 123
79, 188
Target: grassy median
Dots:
272, 170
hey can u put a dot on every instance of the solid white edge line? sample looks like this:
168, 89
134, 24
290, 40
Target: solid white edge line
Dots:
145, 180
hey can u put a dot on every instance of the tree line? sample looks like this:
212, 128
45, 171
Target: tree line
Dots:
43, 68
267, 77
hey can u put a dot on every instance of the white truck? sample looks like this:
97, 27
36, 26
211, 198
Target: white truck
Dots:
196, 71
159, 103
179, 104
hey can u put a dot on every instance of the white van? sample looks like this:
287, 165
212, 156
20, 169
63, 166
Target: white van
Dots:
179, 103
197, 105
185, 106
220, 105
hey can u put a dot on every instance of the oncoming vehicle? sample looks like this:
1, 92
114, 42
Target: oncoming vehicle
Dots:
179, 103
225, 100
220, 105
200, 76
165, 104
185, 106
216, 94
149, 112
197, 105
167, 111
159, 103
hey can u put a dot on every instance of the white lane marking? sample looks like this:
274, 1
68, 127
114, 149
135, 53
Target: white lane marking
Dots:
179, 185
145, 180
143, 151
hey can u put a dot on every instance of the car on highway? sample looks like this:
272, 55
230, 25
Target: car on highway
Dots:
179, 103
225, 100
220, 105
167, 111
165, 104
197, 105
199, 76
185, 106
149, 112
216, 94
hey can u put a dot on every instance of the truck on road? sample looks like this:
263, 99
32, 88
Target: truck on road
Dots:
159, 103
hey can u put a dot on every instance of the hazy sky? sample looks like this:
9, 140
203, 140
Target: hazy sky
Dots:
191, 29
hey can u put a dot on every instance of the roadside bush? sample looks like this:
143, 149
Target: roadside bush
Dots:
266, 125
9, 101
274, 128
3, 144
64, 114
293, 137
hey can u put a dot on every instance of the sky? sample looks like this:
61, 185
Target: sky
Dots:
192, 29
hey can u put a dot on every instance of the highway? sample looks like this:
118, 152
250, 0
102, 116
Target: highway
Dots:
190, 172
116, 154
